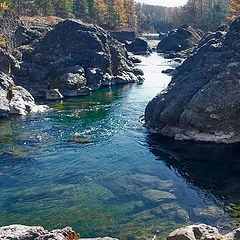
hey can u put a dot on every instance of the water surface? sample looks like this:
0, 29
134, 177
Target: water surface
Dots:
127, 183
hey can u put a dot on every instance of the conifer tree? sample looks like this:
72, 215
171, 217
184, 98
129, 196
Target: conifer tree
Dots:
121, 18
80, 8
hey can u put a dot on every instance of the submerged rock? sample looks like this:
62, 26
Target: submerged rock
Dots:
155, 195
80, 139
202, 101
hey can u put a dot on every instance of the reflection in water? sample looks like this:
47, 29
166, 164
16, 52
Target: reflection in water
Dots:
213, 168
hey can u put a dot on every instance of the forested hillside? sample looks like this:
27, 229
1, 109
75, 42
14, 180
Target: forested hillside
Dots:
203, 14
129, 15
112, 14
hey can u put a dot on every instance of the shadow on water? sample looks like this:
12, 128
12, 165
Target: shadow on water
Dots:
212, 168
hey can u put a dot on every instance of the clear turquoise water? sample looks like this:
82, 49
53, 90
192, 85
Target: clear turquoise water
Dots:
127, 183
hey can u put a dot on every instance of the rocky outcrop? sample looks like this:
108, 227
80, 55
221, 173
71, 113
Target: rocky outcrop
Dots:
124, 36
202, 231
75, 58
179, 42
133, 44
15, 99
21, 232
202, 101
139, 47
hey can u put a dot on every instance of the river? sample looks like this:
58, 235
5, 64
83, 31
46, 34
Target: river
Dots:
127, 183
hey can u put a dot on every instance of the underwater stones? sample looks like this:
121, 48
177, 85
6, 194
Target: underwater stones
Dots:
80, 139
209, 212
175, 211
154, 195
150, 180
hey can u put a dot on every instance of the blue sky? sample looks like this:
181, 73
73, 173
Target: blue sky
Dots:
168, 3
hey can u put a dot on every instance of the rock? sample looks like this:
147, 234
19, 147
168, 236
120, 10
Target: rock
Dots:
53, 94
20, 232
162, 35
139, 47
194, 232
179, 39
80, 139
124, 36
154, 195
73, 57
236, 234
169, 71
7, 62
22, 102
137, 72
105, 238
94, 78
16, 99
133, 58
202, 101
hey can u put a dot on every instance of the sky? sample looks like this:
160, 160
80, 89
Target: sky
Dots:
168, 3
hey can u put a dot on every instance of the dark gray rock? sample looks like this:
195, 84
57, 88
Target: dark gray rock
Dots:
179, 39
202, 101
139, 47
124, 36
54, 94
169, 71
73, 57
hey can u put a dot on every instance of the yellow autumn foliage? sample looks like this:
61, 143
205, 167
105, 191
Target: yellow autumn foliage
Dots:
235, 9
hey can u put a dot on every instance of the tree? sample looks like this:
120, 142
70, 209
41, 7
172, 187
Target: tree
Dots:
80, 8
100, 10
121, 15
235, 9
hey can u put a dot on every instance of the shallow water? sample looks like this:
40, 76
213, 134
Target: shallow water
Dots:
127, 183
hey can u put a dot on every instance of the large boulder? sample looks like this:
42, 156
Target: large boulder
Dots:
21, 232
15, 99
179, 40
70, 57
139, 47
124, 36
202, 231
202, 101
194, 232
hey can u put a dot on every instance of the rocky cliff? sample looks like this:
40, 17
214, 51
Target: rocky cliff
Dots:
75, 58
70, 59
202, 101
